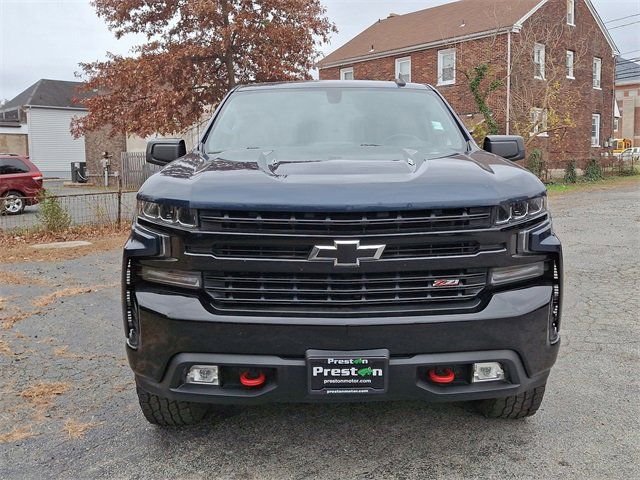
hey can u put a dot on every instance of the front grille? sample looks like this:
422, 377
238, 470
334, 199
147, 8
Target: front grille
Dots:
302, 252
344, 294
346, 223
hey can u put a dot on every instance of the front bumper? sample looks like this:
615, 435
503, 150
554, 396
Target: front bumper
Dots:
177, 332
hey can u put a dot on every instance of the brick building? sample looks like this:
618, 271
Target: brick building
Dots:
549, 66
628, 101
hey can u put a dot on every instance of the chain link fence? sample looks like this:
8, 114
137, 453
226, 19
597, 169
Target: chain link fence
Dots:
57, 212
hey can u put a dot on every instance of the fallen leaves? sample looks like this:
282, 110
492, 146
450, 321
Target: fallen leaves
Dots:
103, 239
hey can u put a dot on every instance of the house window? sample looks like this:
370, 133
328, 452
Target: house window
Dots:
595, 130
597, 73
570, 59
447, 67
346, 74
616, 124
403, 69
538, 61
571, 12
539, 122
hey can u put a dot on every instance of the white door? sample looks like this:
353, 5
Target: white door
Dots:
51, 146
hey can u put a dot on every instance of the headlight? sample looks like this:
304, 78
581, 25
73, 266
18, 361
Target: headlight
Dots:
167, 214
520, 210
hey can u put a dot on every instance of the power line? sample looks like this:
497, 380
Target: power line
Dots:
622, 18
632, 51
624, 25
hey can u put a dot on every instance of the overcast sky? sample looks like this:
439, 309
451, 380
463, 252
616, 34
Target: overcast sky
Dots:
48, 38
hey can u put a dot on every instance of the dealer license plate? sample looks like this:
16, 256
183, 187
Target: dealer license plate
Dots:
344, 373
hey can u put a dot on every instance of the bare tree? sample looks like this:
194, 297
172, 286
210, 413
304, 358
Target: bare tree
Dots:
542, 100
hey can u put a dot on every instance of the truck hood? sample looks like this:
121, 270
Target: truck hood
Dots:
364, 178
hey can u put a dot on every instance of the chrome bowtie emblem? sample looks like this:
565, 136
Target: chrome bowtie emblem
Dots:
346, 253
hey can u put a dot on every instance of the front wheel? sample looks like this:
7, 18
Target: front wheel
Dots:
169, 413
12, 203
517, 406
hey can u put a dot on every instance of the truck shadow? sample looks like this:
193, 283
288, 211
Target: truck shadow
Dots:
360, 440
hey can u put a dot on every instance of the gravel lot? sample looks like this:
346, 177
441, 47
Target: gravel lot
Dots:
69, 402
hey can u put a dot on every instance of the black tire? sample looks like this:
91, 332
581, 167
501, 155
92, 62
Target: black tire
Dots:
169, 413
517, 406
12, 203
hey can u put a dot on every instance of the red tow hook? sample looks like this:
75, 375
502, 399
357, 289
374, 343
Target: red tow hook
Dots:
252, 378
441, 375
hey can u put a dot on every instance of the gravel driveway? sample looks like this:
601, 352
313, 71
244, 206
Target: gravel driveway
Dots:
69, 403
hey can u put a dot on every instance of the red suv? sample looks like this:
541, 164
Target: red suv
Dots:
20, 184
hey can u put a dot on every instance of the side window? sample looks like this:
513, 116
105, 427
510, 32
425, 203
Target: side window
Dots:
571, 12
346, 74
595, 130
447, 67
539, 61
597, 73
403, 69
570, 59
10, 166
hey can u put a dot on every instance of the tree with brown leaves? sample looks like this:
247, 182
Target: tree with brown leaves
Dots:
196, 50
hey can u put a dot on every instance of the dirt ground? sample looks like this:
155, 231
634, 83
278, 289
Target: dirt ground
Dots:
68, 407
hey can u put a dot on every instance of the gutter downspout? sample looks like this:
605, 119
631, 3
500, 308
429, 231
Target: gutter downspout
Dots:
508, 83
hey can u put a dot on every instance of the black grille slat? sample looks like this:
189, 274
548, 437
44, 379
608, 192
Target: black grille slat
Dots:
302, 252
346, 223
333, 293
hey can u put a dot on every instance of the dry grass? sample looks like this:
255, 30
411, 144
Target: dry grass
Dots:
8, 321
18, 433
65, 292
68, 292
11, 278
5, 349
64, 352
41, 394
103, 238
77, 429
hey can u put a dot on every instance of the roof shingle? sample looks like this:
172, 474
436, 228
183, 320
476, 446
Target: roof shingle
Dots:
47, 93
433, 25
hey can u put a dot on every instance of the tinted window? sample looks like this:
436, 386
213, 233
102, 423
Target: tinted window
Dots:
12, 165
336, 117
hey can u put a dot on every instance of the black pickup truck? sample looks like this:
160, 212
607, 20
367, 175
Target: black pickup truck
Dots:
340, 241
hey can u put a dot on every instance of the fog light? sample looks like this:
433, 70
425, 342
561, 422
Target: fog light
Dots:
487, 372
207, 374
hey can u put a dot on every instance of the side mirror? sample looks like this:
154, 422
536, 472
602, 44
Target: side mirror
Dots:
510, 147
166, 150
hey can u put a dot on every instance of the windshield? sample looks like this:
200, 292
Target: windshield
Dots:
336, 117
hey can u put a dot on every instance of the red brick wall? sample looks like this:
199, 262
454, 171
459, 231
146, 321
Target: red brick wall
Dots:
424, 69
586, 37
577, 98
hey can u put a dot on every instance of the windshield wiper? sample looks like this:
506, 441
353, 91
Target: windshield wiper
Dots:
370, 145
